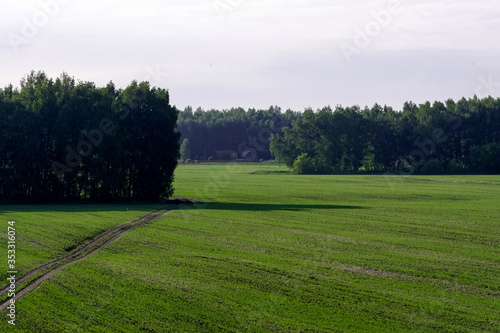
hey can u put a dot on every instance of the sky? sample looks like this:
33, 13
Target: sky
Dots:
257, 53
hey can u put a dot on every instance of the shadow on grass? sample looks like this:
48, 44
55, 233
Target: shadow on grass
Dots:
170, 204
77, 207
251, 207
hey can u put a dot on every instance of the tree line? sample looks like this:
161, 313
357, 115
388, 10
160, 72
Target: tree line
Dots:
452, 137
67, 140
236, 130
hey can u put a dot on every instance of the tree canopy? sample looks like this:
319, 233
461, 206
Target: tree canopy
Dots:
235, 130
451, 137
67, 140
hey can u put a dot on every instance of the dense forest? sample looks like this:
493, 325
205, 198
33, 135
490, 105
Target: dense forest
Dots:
67, 140
232, 130
452, 137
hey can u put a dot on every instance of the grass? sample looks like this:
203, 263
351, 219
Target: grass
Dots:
48, 232
266, 251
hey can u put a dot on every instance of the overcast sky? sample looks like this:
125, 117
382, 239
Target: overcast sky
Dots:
257, 53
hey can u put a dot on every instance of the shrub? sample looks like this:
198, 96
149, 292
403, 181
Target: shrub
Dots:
210, 158
433, 167
454, 167
188, 161
303, 165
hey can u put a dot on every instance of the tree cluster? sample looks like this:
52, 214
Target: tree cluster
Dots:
452, 137
67, 140
231, 130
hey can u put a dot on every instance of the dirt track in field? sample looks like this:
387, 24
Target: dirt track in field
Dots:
99, 243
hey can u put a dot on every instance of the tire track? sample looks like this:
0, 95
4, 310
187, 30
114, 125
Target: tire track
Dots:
101, 242
75, 254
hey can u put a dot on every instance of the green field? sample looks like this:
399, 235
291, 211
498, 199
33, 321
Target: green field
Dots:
266, 251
